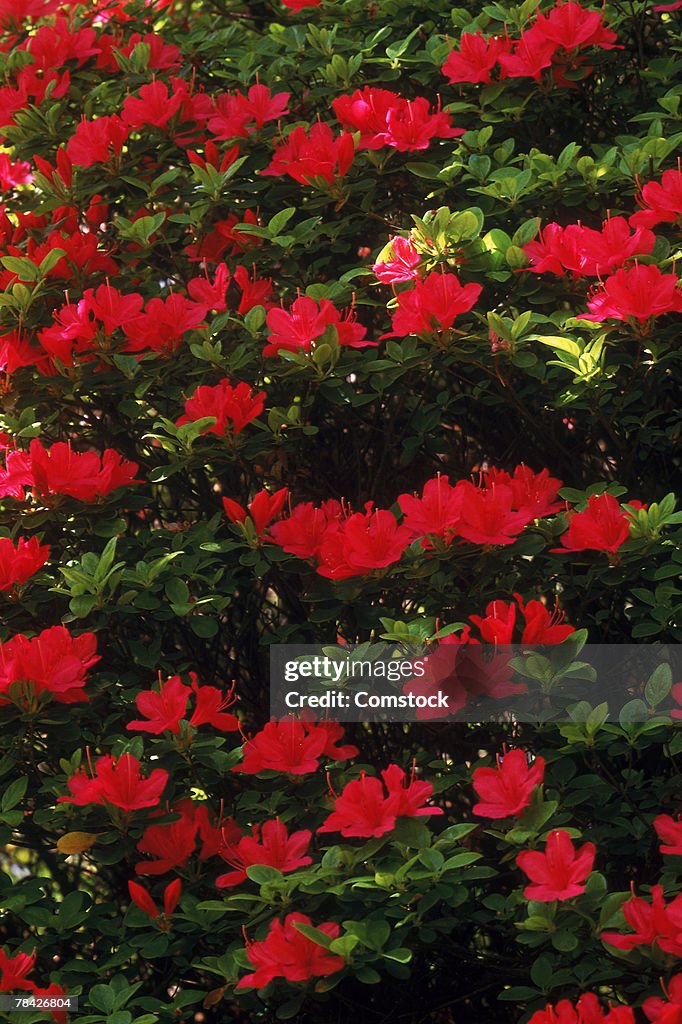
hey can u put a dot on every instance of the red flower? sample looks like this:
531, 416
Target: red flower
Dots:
363, 810
16, 475
155, 106
117, 782
411, 795
86, 476
661, 202
402, 263
475, 59
13, 174
560, 872
297, 330
173, 843
572, 26
669, 831
262, 509
488, 515
534, 494
432, 305
305, 156
670, 1010
13, 971
586, 252
211, 295
233, 112
586, 1011
529, 57
144, 901
163, 324
303, 532
232, 407
165, 709
289, 746
295, 6
436, 514
18, 564
635, 293
385, 119
361, 543
506, 790
287, 953
112, 308
255, 291
94, 142
275, 847
603, 526
50, 666
652, 923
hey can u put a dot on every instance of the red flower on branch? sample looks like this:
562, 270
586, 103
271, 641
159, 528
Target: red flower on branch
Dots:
85, 476
668, 1011
116, 781
142, 899
305, 156
402, 262
299, 328
506, 790
669, 831
13, 971
287, 953
475, 59
232, 406
18, 563
652, 924
384, 118
432, 305
96, 141
661, 202
586, 1011
560, 872
270, 844
603, 526
263, 508
635, 293
50, 666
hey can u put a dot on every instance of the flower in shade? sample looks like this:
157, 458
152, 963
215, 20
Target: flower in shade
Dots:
586, 1011
603, 526
50, 666
435, 514
288, 953
668, 1010
270, 844
116, 781
288, 746
669, 831
506, 790
363, 809
653, 923
297, 329
142, 899
314, 154
18, 563
560, 872
85, 476
488, 514
361, 543
172, 844
13, 971
475, 59
303, 532
263, 508
232, 407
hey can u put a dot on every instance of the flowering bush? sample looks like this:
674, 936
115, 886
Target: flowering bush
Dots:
336, 322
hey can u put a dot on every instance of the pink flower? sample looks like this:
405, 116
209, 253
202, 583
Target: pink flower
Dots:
401, 264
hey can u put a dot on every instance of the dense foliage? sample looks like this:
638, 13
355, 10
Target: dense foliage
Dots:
351, 321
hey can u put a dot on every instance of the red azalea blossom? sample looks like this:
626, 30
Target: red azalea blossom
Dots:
668, 1011
117, 782
402, 263
13, 971
435, 514
661, 202
360, 543
94, 142
232, 406
262, 509
18, 564
488, 515
289, 746
142, 899
652, 923
164, 709
586, 1011
585, 252
270, 844
305, 156
154, 106
303, 532
85, 476
560, 872
297, 329
506, 790
635, 293
50, 666
603, 526
13, 173
475, 59
669, 831
385, 119
363, 810
172, 844
287, 953
298, 5
433, 305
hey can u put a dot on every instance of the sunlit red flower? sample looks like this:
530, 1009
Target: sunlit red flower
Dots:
269, 844
433, 304
669, 831
317, 153
603, 526
506, 790
287, 953
558, 873
117, 782
18, 563
233, 406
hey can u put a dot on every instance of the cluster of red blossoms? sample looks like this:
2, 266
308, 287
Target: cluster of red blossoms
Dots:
385, 119
586, 1011
13, 978
305, 324
232, 407
21, 561
495, 512
50, 666
58, 469
164, 709
556, 40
